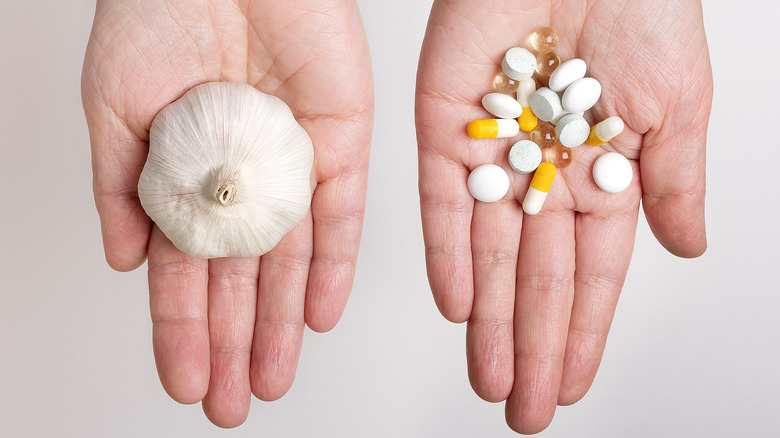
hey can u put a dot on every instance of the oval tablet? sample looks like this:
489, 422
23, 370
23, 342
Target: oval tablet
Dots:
502, 105
612, 172
525, 156
546, 104
581, 95
566, 74
488, 183
519, 64
572, 130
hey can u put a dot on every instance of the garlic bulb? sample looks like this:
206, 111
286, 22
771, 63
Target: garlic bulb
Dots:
228, 172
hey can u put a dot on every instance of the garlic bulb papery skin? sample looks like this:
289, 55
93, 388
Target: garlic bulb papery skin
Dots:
228, 172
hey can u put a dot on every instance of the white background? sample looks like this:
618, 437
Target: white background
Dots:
694, 349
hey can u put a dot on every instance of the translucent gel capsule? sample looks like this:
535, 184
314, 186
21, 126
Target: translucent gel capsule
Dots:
544, 135
559, 155
546, 63
504, 84
544, 39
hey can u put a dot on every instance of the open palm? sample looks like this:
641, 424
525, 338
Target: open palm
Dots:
539, 292
226, 328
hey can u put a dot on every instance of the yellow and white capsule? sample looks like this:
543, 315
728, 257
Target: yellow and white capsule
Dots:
493, 128
605, 131
527, 119
540, 186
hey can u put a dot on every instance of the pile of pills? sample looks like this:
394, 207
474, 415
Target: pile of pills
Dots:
553, 116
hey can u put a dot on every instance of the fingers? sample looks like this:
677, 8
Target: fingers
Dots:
446, 209
545, 288
489, 337
279, 324
118, 156
673, 171
178, 302
337, 210
231, 308
603, 256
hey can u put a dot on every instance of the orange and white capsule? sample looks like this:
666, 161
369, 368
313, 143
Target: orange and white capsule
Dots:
605, 131
527, 119
493, 128
540, 186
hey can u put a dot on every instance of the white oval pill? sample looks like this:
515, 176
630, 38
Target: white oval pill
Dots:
519, 64
566, 73
572, 130
488, 183
612, 172
502, 105
581, 95
525, 156
545, 103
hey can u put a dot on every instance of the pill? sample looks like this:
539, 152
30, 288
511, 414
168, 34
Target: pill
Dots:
566, 73
544, 135
605, 130
612, 172
581, 95
559, 155
546, 63
504, 84
558, 118
544, 39
493, 128
540, 186
528, 119
503, 106
545, 103
519, 64
572, 130
525, 156
488, 183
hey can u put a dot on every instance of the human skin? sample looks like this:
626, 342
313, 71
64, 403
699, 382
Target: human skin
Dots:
539, 292
226, 328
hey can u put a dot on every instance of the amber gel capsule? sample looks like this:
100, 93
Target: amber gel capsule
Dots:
540, 186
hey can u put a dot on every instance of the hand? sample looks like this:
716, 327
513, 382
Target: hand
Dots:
539, 292
224, 327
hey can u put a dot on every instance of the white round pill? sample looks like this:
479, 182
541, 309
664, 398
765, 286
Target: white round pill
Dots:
566, 74
488, 183
525, 156
612, 172
502, 105
572, 130
546, 104
519, 64
581, 95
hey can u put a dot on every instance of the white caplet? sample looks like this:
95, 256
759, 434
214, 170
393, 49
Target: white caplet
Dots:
488, 183
525, 156
572, 130
612, 172
546, 104
524, 91
519, 64
566, 74
581, 95
609, 128
502, 105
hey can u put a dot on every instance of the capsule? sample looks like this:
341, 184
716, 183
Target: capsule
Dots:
493, 128
605, 131
540, 186
527, 119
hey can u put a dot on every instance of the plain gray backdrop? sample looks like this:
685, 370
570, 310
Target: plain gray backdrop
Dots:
693, 350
